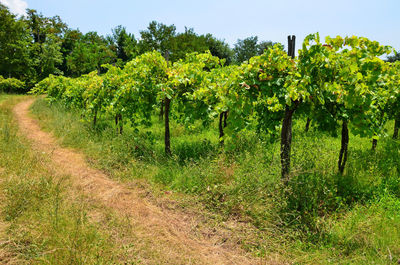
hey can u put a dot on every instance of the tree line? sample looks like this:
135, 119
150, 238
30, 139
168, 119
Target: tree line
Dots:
34, 46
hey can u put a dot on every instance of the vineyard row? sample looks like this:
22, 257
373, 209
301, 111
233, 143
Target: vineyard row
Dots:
342, 83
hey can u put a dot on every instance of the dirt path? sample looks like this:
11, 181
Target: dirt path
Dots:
171, 232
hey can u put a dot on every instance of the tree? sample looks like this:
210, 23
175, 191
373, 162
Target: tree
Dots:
157, 37
264, 45
124, 43
219, 49
50, 58
41, 26
15, 43
187, 42
89, 53
71, 38
245, 49
394, 57
249, 47
47, 34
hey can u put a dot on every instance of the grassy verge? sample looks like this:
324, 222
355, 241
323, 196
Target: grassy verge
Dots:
44, 221
321, 217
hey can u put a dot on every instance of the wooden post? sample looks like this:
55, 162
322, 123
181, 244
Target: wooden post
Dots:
162, 110
344, 147
225, 118
286, 133
95, 118
396, 128
121, 125
166, 57
167, 138
308, 124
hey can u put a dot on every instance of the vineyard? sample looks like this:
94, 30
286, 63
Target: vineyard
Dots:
342, 83
203, 137
290, 157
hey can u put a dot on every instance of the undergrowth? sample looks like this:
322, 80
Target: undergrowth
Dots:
320, 217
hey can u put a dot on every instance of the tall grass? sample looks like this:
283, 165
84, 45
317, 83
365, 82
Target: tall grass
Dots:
315, 219
44, 225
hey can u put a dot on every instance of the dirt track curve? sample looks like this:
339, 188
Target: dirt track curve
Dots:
170, 229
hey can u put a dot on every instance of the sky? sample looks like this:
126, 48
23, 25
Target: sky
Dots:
230, 20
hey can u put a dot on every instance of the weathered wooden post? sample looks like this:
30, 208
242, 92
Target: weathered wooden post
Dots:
167, 102
286, 133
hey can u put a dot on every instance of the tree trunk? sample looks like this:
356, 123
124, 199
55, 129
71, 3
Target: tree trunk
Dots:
95, 118
221, 128
344, 147
121, 125
161, 110
167, 139
396, 128
374, 144
286, 143
225, 118
116, 122
308, 124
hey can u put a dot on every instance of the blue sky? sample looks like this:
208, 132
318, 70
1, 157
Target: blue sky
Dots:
233, 19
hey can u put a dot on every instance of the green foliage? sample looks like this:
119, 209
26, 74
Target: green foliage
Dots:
45, 51
124, 43
35, 46
341, 81
187, 42
184, 78
11, 85
219, 48
157, 37
249, 47
15, 43
142, 82
392, 106
394, 57
245, 49
174, 46
219, 92
265, 80
89, 53
49, 57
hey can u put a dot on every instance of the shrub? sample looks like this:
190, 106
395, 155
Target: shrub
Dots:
11, 85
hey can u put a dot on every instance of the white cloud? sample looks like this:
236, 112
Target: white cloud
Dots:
17, 7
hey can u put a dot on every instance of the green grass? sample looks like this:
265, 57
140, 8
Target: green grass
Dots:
45, 221
321, 217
